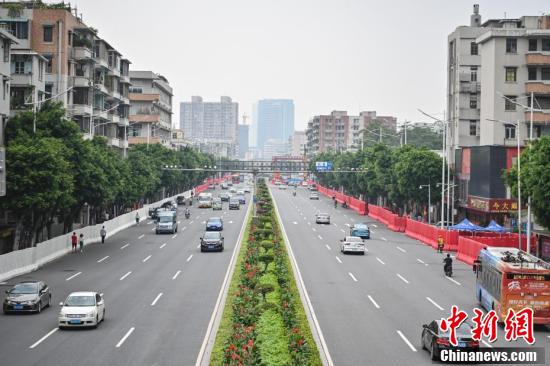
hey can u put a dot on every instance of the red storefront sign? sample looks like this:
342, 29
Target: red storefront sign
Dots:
496, 205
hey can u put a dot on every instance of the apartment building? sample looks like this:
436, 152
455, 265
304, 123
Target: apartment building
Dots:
212, 126
6, 42
150, 108
328, 133
81, 69
298, 143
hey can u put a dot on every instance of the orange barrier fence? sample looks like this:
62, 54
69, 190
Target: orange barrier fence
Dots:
355, 204
469, 246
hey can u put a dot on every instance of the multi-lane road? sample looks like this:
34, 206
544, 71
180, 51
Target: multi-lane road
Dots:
371, 308
160, 292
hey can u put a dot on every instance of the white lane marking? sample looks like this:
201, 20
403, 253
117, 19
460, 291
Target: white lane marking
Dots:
348, 225
401, 249
189, 258
402, 278
342, 230
420, 260
406, 341
44, 338
374, 225
126, 275
230, 222
162, 246
380, 260
102, 259
486, 344
196, 218
185, 227
190, 222
452, 280
174, 236
352, 219
73, 276
320, 237
328, 247
156, 299
146, 258
3, 283
373, 302
198, 246
149, 222
179, 222
352, 276
204, 222
176, 275
295, 223
125, 337
384, 239
153, 229
434, 303
372, 231
141, 236
304, 217
124, 246
339, 260
309, 223
314, 229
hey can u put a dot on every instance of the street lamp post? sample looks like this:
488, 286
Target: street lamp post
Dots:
429, 201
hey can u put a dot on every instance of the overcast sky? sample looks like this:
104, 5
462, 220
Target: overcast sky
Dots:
388, 56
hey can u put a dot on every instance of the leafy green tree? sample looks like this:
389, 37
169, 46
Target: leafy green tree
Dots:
424, 137
535, 178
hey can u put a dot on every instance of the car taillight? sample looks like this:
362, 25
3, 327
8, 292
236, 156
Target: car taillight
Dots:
442, 341
473, 344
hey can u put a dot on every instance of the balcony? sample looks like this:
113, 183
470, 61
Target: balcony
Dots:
113, 142
100, 114
146, 118
82, 53
81, 82
537, 58
469, 113
540, 117
123, 144
470, 87
143, 97
123, 121
134, 140
22, 79
113, 118
537, 87
82, 110
101, 63
125, 79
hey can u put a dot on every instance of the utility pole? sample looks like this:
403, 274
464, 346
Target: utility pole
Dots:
448, 155
443, 149
529, 198
380, 139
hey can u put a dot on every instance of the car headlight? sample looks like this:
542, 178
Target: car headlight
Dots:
30, 302
90, 314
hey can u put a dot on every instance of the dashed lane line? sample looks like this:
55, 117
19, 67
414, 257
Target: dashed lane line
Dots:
402, 278
434, 303
126, 275
384, 239
421, 261
339, 260
162, 246
128, 333
452, 280
141, 236
320, 237
342, 230
44, 338
401, 249
156, 299
189, 258
176, 275
373, 302
102, 259
352, 276
380, 260
406, 341
328, 247
73, 276
374, 225
174, 236
125, 246
146, 258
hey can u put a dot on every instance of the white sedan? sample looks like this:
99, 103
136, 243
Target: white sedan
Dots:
82, 309
352, 244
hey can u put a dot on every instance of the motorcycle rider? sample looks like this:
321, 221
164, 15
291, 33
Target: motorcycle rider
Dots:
448, 266
187, 212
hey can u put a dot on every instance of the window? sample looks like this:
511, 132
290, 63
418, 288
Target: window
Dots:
538, 131
70, 37
532, 73
48, 33
19, 29
40, 70
19, 67
49, 59
473, 73
546, 44
509, 104
510, 131
473, 48
511, 45
511, 74
7, 45
473, 101
48, 88
473, 127
545, 73
532, 44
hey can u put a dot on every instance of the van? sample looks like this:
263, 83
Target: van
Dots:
205, 200
234, 203
167, 222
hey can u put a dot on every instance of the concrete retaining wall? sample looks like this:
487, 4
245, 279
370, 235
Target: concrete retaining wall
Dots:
27, 260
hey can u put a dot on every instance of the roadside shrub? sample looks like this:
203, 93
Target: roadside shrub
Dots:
272, 340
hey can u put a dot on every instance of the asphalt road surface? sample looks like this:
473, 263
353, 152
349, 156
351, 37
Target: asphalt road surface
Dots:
159, 290
371, 308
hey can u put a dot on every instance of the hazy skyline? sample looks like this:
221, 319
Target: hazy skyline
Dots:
349, 55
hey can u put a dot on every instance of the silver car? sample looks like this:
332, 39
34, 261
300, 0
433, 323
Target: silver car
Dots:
82, 309
322, 218
314, 196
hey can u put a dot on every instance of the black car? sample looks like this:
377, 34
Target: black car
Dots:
435, 340
27, 296
168, 205
180, 200
224, 196
153, 211
212, 241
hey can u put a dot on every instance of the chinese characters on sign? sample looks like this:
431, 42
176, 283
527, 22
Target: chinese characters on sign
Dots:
492, 205
517, 325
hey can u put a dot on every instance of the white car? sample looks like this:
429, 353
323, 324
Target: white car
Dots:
282, 186
314, 196
247, 189
322, 218
352, 244
82, 309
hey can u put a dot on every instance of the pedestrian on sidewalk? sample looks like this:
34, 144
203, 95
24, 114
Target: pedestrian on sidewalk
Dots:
137, 218
81, 242
74, 241
103, 234
440, 244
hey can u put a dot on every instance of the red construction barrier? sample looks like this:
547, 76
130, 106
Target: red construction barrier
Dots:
468, 249
355, 204
429, 234
469, 246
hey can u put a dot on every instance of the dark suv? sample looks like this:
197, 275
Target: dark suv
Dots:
212, 241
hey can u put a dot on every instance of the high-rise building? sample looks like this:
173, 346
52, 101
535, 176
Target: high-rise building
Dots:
150, 108
212, 126
273, 148
273, 119
243, 141
81, 69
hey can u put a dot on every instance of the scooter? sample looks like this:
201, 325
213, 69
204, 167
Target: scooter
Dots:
294, 193
448, 270
187, 215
